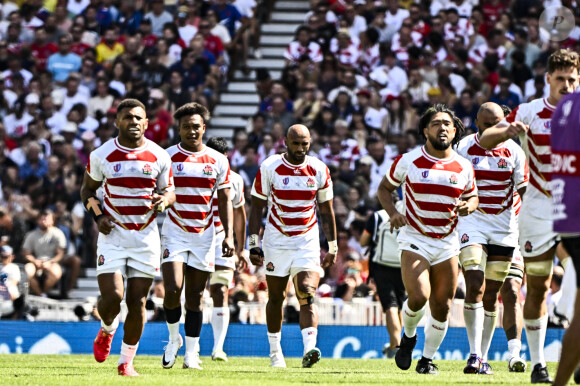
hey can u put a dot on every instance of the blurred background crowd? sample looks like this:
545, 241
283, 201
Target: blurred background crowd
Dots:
359, 74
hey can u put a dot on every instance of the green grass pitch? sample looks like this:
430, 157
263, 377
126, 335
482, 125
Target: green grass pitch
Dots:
82, 369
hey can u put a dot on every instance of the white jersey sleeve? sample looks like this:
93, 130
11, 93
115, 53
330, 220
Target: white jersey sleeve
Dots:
325, 192
165, 177
263, 182
398, 172
521, 174
94, 167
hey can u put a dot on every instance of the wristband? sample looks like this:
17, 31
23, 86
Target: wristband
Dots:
333, 247
93, 206
253, 241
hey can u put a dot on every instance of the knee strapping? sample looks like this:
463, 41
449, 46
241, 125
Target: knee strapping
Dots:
222, 276
497, 270
539, 268
473, 258
304, 293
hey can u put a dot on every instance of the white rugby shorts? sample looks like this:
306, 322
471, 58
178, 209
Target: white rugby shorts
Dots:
536, 235
472, 231
129, 262
435, 251
197, 252
284, 262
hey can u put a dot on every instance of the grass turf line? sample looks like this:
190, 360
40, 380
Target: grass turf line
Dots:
82, 369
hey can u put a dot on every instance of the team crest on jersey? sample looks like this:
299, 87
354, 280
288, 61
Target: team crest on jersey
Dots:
147, 169
425, 174
101, 260
453, 179
310, 183
502, 164
117, 167
464, 238
548, 124
528, 247
166, 253
208, 170
286, 181
270, 267
475, 161
179, 167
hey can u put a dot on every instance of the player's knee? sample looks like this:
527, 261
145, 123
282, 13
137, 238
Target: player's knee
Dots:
474, 283
539, 268
276, 298
497, 270
305, 293
509, 295
473, 258
417, 301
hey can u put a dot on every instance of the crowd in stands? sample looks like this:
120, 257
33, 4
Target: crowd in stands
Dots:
359, 73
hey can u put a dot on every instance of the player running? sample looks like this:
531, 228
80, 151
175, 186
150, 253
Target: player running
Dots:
438, 186
292, 184
532, 121
223, 276
490, 235
188, 236
132, 171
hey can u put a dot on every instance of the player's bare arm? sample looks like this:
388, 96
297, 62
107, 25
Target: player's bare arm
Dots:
499, 133
329, 229
226, 216
465, 207
240, 234
93, 205
385, 196
254, 225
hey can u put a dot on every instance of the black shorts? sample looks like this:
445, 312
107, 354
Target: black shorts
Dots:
572, 245
390, 287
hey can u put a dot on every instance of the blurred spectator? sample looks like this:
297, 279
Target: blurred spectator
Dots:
279, 113
307, 106
34, 164
41, 49
9, 281
302, 45
382, 156
505, 96
109, 48
158, 17
249, 168
228, 15
466, 109
62, 63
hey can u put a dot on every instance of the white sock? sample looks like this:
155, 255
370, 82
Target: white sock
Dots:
411, 319
434, 333
112, 328
309, 335
536, 334
489, 323
127, 353
220, 318
275, 338
192, 345
514, 347
173, 331
473, 315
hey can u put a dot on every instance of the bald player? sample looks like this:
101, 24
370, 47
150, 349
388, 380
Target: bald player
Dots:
489, 237
291, 184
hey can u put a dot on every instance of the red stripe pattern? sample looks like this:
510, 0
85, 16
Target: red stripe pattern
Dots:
432, 188
130, 177
292, 192
236, 195
197, 177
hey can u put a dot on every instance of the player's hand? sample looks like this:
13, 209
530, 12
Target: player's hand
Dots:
242, 260
228, 247
516, 128
159, 202
328, 260
257, 256
464, 208
105, 224
398, 220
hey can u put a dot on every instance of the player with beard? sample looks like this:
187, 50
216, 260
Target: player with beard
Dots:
438, 186
489, 237
532, 123
292, 184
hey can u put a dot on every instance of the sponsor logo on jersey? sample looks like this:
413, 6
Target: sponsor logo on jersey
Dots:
180, 167
166, 253
548, 124
101, 260
147, 169
297, 172
502, 164
528, 247
439, 166
425, 174
117, 168
414, 247
453, 179
131, 156
310, 183
208, 170
270, 267
475, 161
286, 181
464, 238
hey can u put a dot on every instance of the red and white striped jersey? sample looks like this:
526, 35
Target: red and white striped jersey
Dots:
236, 195
477, 54
432, 189
498, 174
197, 177
292, 192
348, 56
537, 114
130, 177
369, 58
464, 28
295, 50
